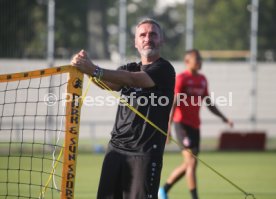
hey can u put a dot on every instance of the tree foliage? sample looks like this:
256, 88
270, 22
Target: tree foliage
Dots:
93, 25
222, 25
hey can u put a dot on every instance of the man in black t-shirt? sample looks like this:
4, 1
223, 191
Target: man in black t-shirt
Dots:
133, 162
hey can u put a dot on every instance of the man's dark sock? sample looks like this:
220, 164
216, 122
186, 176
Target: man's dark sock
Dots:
194, 193
167, 187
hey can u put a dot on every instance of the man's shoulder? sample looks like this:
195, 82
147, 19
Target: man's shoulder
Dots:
165, 65
182, 75
163, 61
187, 74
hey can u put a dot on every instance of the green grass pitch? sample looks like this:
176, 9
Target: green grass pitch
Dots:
255, 172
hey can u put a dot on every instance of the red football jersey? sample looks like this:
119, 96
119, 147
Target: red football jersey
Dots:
190, 90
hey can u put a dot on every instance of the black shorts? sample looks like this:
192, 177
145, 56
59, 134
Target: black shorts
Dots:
192, 134
126, 176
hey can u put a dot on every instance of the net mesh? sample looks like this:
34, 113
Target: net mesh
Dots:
32, 132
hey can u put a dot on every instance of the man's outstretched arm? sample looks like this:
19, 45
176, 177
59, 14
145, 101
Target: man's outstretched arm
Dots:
116, 78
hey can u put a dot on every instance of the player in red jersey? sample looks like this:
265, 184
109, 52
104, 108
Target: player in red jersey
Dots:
190, 89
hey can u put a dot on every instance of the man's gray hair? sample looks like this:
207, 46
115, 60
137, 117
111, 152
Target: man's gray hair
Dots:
151, 21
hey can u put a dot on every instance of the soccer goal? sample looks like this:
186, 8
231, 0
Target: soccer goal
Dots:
39, 129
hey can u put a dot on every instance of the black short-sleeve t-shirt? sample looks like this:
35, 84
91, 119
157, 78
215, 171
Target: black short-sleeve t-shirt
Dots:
131, 134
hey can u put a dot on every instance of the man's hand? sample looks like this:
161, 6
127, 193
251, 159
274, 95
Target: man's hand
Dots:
230, 123
83, 63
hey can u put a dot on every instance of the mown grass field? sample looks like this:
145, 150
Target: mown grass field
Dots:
255, 172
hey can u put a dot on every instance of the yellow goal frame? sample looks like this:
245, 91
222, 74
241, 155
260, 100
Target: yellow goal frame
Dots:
72, 120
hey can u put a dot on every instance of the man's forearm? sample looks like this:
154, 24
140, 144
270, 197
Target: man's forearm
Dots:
216, 112
118, 77
121, 77
126, 78
212, 107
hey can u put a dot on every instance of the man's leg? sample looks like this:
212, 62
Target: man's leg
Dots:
191, 162
188, 167
110, 180
143, 177
180, 171
176, 175
190, 156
